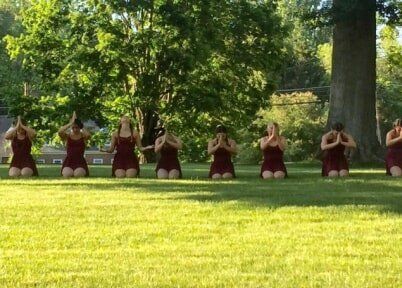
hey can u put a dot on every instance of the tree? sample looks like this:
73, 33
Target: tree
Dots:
182, 61
302, 68
301, 118
353, 76
389, 80
11, 84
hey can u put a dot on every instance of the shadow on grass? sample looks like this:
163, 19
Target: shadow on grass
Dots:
386, 197
303, 190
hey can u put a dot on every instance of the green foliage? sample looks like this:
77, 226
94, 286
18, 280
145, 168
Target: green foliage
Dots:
324, 53
389, 71
389, 80
152, 59
301, 118
333, 11
301, 66
11, 74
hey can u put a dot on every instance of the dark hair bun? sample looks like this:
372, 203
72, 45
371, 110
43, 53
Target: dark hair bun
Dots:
79, 123
221, 129
337, 126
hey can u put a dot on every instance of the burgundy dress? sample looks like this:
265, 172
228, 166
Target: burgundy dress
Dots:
125, 157
273, 160
394, 157
169, 160
222, 163
334, 159
22, 157
75, 155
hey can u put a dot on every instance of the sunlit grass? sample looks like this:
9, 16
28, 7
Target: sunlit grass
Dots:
305, 231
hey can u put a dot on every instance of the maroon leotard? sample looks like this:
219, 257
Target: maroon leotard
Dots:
334, 159
125, 157
393, 157
222, 163
22, 157
169, 159
273, 160
75, 155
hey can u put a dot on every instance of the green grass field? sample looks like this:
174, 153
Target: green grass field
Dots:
305, 231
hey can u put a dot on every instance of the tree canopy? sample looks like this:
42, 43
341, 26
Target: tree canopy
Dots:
192, 64
181, 61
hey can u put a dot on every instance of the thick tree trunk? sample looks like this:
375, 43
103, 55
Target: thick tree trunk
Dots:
353, 83
148, 138
147, 122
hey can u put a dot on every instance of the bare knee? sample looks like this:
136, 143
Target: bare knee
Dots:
279, 175
26, 172
396, 171
162, 174
67, 172
216, 176
344, 173
267, 175
14, 172
80, 172
333, 173
227, 175
131, 173
120, 173
174, 174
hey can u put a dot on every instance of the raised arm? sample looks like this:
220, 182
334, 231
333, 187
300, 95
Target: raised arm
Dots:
230, 146
63, 132
389, 141
350, 141
86, 134
31, 133
212, 147
159, 142
63, 129
176, 143
264, 142
10, 134
282, 143
324, 142
112, 144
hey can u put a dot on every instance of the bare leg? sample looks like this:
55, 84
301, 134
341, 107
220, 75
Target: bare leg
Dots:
279, 175
14, 172
174, 174
343, 173
216, 176
26, 172
267, 174
120, 173
67, 172
80, 172
227, 175
396, 171
333, 173
131, 173
162, 174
